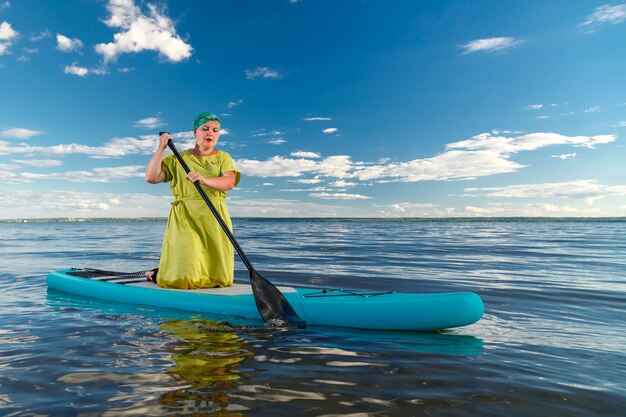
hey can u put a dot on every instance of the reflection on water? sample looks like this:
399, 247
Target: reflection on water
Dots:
208, 356
222, 367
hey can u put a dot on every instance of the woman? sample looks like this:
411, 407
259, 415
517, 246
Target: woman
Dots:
196, 252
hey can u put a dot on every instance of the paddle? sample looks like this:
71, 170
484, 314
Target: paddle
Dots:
272, 304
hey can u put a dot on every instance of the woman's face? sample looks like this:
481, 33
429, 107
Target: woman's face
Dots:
207, 134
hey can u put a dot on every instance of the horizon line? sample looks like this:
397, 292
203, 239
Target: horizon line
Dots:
327, 218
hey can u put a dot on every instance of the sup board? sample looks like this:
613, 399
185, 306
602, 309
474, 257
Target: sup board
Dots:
318, 306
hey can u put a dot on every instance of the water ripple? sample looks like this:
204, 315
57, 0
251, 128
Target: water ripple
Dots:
551, 341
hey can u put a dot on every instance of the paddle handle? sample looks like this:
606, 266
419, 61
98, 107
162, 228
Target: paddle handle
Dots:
206, 199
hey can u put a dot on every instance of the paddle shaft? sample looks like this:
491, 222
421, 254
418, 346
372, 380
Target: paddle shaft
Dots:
206, 199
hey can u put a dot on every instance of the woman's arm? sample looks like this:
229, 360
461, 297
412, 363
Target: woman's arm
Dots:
224, 183
154, 173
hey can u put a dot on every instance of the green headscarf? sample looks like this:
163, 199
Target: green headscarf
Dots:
204, 117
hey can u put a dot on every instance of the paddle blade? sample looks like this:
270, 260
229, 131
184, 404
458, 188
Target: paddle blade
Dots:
272, 304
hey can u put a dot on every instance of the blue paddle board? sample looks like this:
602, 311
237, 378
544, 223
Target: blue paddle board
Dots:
357, 309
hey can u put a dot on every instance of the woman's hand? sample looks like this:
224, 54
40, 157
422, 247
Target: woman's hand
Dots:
163, 139
194, 176
154, 174
224, 183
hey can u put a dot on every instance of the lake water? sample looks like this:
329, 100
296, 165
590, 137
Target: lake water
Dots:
552, 341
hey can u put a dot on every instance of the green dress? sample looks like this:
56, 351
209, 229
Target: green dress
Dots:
196, 252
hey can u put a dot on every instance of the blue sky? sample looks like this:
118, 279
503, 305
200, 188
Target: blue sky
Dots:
329, 108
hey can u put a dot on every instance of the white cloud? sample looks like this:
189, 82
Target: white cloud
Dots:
64, 204
263, 72
339, 196
7, 32
287, 208
303, 154
605, 14
403, 207
594, 109
308, 181
490, 45
142, 32
262, 133
330, 130
82, 72
505, 132
479, 156
96, 175
149, 123
540, 106
338, 166
527, 210
479, 211
565, 155
300, 190
117, 147
277, 141
235, 103
65, 44
9, 176
544, 117
7, 35
315, 119
41, 36
482, 155
417, 210
98, 71
453, 164
19, 133
277, 166
342, 184
76, 69
528, 142
40, 163
622, 124
589, 190
5, 5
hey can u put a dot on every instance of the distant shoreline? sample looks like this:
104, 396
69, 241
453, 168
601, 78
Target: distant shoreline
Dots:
325, 219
